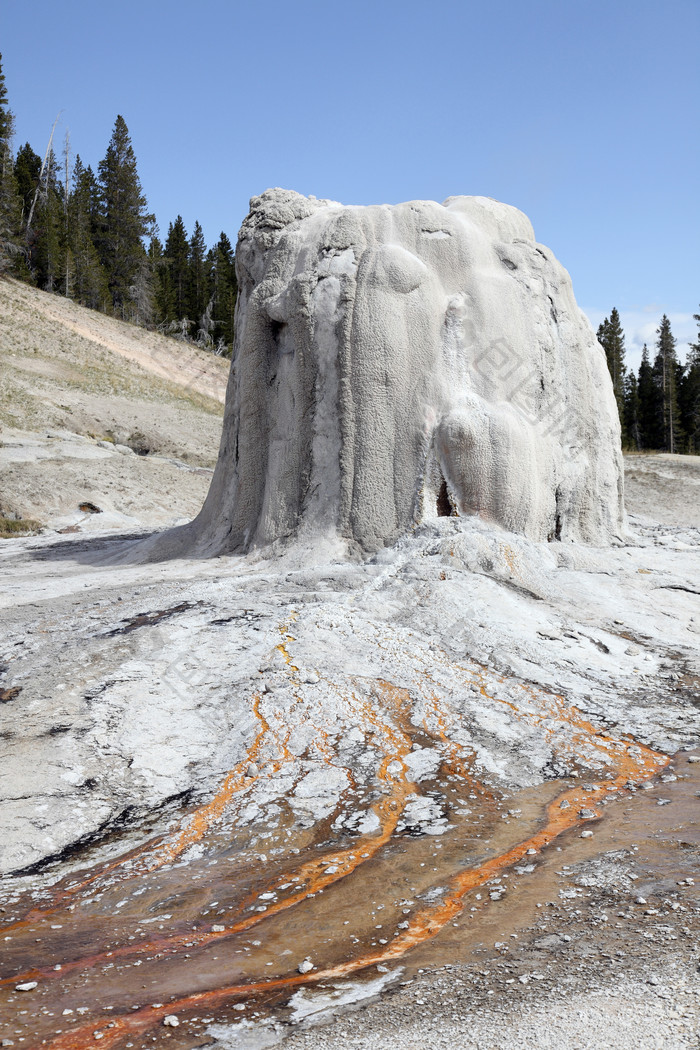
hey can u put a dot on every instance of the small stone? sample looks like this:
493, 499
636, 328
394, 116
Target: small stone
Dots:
586, 834
640, 900
694, 758
306, 966
531, 852
586, 814
171, 1021
26, 986
251, 770
218, 929
564, 804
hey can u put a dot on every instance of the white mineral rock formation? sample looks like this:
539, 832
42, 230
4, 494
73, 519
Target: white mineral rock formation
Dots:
397, 363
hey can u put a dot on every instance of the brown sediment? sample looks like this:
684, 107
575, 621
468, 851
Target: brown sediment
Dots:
196, 827
200, 822
313, 875
629, 761
423, 926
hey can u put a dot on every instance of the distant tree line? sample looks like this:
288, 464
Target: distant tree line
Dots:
89, 236
659, 405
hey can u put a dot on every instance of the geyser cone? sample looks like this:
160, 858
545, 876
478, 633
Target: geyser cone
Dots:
397, 363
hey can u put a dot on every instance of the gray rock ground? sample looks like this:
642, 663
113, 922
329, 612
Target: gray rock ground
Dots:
125, 687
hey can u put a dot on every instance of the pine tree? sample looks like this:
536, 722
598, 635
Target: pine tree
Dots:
611, 337
10, 205
650, 410
27, 168
124, 219
89, 279
632, 410
45, 238
142, 307
7, 120
163, 298
689, 396
176, 255
223, 294
666, 378
196, 279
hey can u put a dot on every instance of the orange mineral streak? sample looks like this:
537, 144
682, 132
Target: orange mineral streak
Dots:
435, 723
632, 761
206, 815
196, 827
166, 851
312, 876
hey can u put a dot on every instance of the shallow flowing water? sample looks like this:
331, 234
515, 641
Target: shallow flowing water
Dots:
204, 919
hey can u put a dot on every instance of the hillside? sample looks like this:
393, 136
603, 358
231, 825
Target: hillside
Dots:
96, 410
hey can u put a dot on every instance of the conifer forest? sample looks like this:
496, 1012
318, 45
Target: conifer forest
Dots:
88, 234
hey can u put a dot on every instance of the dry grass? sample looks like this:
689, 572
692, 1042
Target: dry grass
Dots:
11, 528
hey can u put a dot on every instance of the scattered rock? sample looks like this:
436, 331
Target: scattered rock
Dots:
171, 1021
306, 966
26, 986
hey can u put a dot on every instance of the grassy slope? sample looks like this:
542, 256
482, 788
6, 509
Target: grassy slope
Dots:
67, 369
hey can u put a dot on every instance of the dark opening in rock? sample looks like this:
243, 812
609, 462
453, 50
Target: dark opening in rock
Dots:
444, 505
89, 508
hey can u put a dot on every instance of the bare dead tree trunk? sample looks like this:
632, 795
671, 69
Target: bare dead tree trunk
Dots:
41, 174
66, 152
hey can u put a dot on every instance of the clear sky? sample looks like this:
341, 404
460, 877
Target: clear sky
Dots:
584, 113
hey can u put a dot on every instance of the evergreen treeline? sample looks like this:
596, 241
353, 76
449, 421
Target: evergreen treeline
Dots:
89, 236
659, 406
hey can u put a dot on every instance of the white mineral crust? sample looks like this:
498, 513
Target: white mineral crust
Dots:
397, 362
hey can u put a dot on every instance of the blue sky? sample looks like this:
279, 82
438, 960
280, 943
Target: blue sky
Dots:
583, 114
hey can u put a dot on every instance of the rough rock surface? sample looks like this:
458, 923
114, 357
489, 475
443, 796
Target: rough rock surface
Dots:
397, 363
